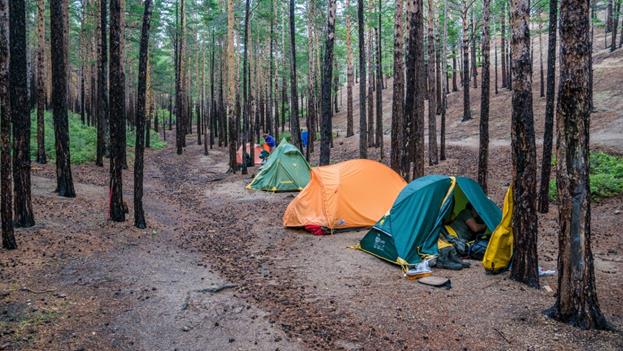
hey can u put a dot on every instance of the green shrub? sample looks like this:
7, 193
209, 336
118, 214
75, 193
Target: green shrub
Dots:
606, 176
82, 139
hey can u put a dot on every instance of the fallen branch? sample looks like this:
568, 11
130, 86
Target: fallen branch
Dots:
216, 289
25, 289
502, 335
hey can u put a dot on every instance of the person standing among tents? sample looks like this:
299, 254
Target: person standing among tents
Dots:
270, 141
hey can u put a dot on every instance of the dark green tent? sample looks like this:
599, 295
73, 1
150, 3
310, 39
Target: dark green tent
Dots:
410, 230
285, 170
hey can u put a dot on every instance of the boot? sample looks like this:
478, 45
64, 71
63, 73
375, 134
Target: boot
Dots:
443, 261
454, 257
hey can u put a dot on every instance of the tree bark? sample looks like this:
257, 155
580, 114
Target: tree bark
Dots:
454, 71
379, 87
139, 213
363, 128
546, 165
467, 114
525, 229
483, 153
246, 132
576, 301
18, 82
325, 126
433, 157
41, 156
615, 23
445, 90
6, 194
295, 130
398, 93
542, 82
370, 96
349, 73
474, 68
180, 126
503, 46
64, 180
102, 88
117, 101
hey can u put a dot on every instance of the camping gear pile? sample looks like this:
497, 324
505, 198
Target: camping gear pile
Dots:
409, 222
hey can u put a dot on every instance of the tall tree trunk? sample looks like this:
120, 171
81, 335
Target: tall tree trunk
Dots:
467, 114
495, 58
18, 80
546, 165
445, 90
505, 82
609, 16
295, 130
231, 92
41, 157
576, 301
102, 88
325, 126
542, 82
246, 134
363, 128
414, 101
6, 194
117, 101
398, 93
371, 79
379, 87
349, 73
454, 71
417, 137
433, 156
483, 153
64, 180
474, 68
525, 229
615, 23
311, 80
139, 213
180, 125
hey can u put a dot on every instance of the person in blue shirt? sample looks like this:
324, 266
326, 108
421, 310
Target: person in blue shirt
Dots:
304, 137
270, 141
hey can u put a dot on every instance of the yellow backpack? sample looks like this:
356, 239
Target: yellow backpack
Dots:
500, 249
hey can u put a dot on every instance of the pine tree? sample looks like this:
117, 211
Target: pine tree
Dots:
349, 72
546, 165
398, 93
363, 128
295, 130
19, 107
139, 213
327, 72
41, 156
117, 101
6, 181
64, 180
483, 154
525, 229
576, 301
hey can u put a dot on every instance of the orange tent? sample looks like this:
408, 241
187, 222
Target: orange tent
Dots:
258, 150
351, 194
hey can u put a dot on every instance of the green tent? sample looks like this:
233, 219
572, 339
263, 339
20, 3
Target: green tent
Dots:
410, 230
285, 170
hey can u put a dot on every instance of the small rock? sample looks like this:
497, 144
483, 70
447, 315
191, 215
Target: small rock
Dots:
231, 340
186, 328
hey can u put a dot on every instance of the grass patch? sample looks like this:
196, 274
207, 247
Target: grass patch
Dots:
82, 139
606, 176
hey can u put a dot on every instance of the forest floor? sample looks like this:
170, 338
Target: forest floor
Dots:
216, 270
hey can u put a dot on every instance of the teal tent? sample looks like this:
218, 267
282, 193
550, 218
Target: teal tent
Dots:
285, 170
410, 230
